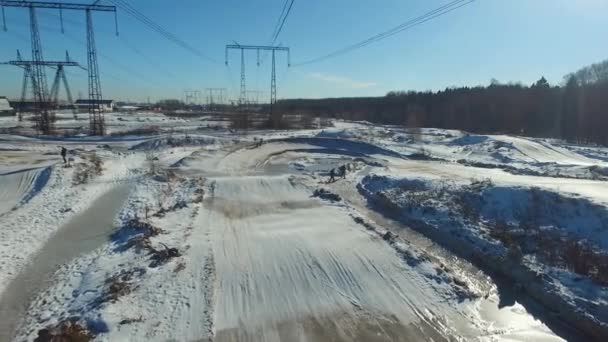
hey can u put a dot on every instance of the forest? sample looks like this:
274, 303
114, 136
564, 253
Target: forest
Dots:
575, 110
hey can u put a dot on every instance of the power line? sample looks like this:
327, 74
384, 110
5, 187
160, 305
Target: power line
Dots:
276, 35
128, 70
159, 29
276, 27
442, 10
127, 43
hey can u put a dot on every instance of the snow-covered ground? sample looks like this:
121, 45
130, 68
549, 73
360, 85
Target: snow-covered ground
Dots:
204, 234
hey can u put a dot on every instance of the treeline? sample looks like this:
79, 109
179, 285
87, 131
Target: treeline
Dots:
576, 111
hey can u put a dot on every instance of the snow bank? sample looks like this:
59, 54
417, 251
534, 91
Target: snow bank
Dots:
555, 246
174, 141
17, 188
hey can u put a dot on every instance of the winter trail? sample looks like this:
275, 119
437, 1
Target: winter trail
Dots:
290, 268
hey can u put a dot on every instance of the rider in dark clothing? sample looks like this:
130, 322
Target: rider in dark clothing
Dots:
332, 175
343, 171
64, 152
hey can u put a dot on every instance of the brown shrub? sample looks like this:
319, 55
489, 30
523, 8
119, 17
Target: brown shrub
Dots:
582, 259
120, 284
64, 332
147, 228
180, 267
161, 257
501, 232
91, 167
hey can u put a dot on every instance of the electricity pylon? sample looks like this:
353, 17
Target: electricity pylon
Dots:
220, 94
253, 96
45, 118
28, 76
192, 96
275, 117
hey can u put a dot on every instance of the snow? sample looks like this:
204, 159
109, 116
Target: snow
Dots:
18, 187
4, 104
259, 258
24, 231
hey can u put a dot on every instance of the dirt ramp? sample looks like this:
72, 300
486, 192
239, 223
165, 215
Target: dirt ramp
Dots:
17, 188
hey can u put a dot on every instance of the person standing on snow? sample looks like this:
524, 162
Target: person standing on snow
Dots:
343, 171
64, 152
332, 175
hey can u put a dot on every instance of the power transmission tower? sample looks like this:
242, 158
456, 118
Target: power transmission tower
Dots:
223, 95
60, 77
96, 118
253, 96
192, 96
28, 76
275, 117
243, 96
46, 119
211, 100
273, 91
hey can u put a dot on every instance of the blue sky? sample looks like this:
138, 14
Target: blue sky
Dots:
510, 40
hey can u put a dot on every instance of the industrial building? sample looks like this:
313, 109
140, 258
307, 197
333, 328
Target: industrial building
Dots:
5, 107
85, 104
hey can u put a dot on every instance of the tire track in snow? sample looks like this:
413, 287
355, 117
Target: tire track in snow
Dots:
209, 277
208, 280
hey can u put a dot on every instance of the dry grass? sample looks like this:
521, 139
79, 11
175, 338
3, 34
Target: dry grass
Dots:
147, 228
554, 247
582, 259
90, 167
131, 320
143, 231
142, 241
65, 331
146, 130
180, 267
116, 289
199, 192
162, 256
120, 284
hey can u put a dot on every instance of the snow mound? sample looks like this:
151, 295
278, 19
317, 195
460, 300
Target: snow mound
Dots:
356, 147
159, 143
555, 246
18, 188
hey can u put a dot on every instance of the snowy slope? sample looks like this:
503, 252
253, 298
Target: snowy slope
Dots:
19, 187
257, 256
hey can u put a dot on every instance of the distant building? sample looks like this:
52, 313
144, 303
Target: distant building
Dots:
5, 107
85, 104
30, 105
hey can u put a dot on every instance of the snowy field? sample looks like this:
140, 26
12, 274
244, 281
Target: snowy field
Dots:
176, 229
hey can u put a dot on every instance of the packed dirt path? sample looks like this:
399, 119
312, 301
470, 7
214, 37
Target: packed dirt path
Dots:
265, 260
82, 234
290, 267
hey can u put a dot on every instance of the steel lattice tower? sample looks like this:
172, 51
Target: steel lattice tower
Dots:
37, 70
273, 92
27, 76
243, 97
44, 119
275, 117
60, 77
96, 119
